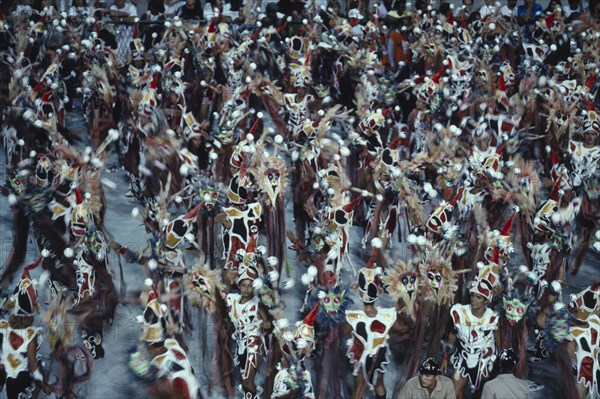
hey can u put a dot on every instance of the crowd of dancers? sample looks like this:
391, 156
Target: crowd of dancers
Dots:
261, 141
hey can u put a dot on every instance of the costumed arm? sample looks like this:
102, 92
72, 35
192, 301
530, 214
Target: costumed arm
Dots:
223, 219
34, 366
497, 337
264, 315
346, 329
448, 347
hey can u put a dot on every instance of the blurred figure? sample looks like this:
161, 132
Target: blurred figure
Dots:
509, 10
488, 8
126, 13
192, 9
506, 385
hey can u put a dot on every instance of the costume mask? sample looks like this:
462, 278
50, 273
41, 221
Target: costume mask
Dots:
514, 310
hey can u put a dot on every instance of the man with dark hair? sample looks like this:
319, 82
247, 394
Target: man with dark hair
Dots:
506, 385
428, 384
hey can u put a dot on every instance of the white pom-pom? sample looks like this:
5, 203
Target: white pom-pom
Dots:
597, 235
523, 269
273, 275
282, 323
315, 185
411, 239
135, 212
345, 151
421, 240
184, 169
253, 66
330, 191
68, 252
178, 199
312, 271
45, 253
553, 47
376, 242
213, 155
148, 282
305, 279
273, 261
12, 199
278, 139
113, 134
492, 26
258, 283
556, 287
152, 264
250, 137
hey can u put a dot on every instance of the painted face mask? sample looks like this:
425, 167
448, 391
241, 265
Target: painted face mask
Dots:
322, 90
409, 283
42, 171
272, 184
540, 255
331, 302
434, 279
268, 296
210, 196
317, 242
559, 329
225, 136
80, 218
18, 184
514, 310
95, 245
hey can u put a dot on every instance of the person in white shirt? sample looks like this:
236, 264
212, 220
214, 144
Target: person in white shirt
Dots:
125, 12
384, 7
489, 8
172, 7
509, 10
79, 10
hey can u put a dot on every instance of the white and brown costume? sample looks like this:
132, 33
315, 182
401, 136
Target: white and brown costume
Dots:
175, 366
476, 349
368, 350
15, 342
248, 333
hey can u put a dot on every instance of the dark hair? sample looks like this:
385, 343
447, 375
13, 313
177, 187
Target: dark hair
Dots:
156, 6
444, 8
75, 5
551, 5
